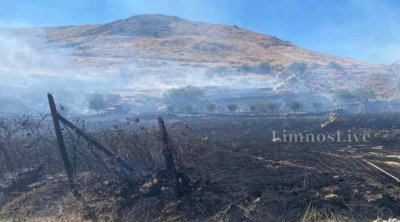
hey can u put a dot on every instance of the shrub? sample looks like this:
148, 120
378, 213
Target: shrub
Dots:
183, 94
264, 68
336, 66
113, 99
211, 107
232, 107
262, 106
246, 68
293, 105
97, 102
252, 107
298, 67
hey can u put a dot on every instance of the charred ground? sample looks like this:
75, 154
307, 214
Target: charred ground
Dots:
237, 173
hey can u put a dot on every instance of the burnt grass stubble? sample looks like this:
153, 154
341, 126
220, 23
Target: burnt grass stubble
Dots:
237, 173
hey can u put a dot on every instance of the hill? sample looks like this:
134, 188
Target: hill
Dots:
175, 48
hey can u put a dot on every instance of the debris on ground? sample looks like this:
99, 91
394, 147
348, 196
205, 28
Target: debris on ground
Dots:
333, 120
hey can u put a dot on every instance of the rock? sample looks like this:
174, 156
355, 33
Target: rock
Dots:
388, 220
167, 191
332, 198
373, 197
151, 188
333, 119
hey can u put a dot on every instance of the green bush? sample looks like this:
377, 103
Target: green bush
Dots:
113, 99
298, 68
232, 107
293, 105
262, 68
97, 102
183, 95
262, 106
253, 107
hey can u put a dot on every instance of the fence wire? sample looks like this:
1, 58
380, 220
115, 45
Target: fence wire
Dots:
28, 145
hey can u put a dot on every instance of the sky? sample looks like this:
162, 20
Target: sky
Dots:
367, 30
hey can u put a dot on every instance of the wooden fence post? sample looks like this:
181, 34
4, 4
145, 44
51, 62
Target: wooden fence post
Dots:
182, 182
60, 141
167, 148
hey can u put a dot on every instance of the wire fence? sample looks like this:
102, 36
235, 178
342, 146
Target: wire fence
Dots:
28, 148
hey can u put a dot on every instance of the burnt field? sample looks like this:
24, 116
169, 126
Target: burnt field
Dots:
236, 172
290, 177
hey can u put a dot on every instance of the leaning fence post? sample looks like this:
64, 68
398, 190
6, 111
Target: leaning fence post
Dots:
60, 140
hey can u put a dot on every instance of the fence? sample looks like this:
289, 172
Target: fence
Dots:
128, 153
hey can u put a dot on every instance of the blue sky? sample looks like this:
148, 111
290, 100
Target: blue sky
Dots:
367, 30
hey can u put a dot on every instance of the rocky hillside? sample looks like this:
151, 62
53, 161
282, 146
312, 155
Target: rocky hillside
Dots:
175, 47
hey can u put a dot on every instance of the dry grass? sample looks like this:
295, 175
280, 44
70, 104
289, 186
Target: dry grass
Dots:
318, 215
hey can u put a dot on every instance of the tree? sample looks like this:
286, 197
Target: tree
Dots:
211, 108
262, 106
97, 102
298, 68
264, 68
294, 106
232, 107
113, 99
246, 68
182, 95
253, 107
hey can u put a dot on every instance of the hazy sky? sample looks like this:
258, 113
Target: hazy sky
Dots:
363, 29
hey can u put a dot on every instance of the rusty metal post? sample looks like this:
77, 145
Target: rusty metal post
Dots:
60, 140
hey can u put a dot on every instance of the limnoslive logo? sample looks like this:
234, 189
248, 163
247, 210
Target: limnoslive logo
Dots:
336, 137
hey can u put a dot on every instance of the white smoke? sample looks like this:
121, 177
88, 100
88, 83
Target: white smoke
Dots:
30, 68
